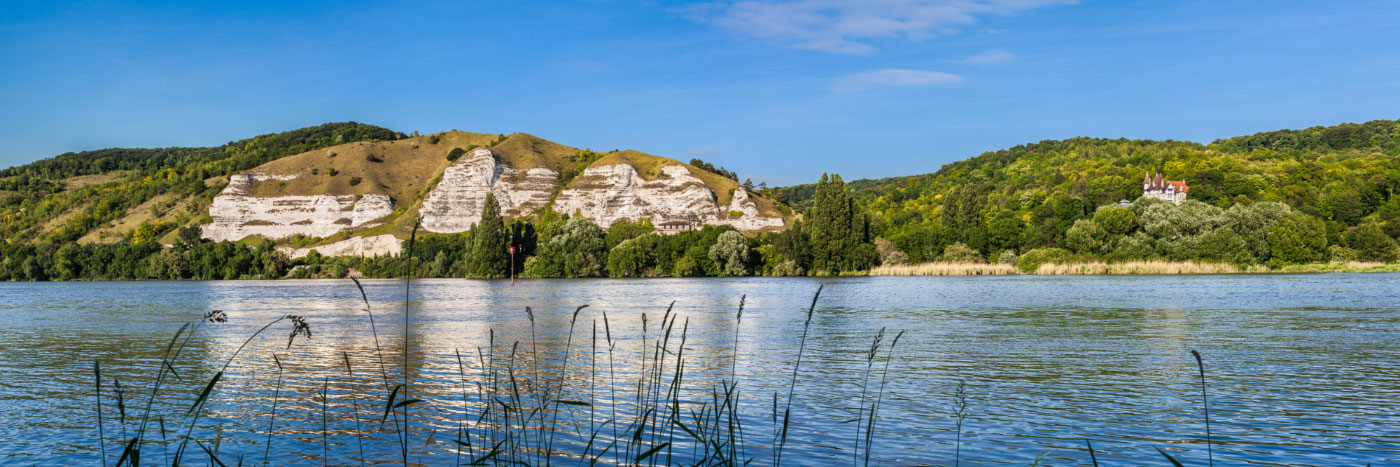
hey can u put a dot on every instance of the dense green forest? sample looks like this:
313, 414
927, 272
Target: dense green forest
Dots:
1274, 198
1247, 196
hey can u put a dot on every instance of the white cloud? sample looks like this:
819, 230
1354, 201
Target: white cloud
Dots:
845, 26
989, 57
895, 77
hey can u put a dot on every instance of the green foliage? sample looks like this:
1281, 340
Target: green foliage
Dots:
731, 253
489, 256
1297, 238
1086, 236
632, 257
1371, 243
355, 181
1116, 220
573, 249
960, 253
1343, 174
715, 170
838, 233
1031, 260
624, 230
454, 154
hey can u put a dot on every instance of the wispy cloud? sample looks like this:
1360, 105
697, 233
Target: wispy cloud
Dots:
895, 77
989, 57
843, 26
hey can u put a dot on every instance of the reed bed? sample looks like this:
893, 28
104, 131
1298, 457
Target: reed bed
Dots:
945, 269
1341, 266
1145, 267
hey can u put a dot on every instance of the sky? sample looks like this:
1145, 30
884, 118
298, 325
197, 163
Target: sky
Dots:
777, 90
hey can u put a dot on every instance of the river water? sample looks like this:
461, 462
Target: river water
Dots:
1300, 369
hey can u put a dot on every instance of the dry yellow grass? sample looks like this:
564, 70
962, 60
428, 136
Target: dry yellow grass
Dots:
405, 165
1144, 267
1348, 266
80, 181
945, 269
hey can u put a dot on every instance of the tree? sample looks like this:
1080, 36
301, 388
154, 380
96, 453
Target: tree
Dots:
632, 257
1116, 220
488, 256
574, 249
731, 253
838, 234
960, 253
1087, 237
1298, 238
1371, 243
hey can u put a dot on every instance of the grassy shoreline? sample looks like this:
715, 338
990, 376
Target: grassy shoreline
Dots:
1126, 268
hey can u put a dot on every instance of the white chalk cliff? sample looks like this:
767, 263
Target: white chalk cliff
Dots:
237, 214
612, 193
455, 204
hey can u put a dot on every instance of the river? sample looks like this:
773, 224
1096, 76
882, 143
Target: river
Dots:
1300, 369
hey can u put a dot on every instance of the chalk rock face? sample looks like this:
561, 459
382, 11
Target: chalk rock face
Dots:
458, 200
612, 193
237, 214
750, 219
378, 245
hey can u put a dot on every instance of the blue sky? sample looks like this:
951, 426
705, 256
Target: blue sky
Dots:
778, 90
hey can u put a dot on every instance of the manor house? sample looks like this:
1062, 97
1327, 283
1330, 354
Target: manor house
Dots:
1167, 190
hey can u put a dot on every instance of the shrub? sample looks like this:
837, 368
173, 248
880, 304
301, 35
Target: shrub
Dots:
315, 171
1340, 254
730, 251
889, 253
1007, 257
1030, 261
333, 172
454, 154
960, 253
434, 139
373, 158
1371, 243
354, 181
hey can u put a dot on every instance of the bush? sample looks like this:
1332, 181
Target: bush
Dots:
454, 154
1007, 257
889, 254
434, 139
1371, 243
333, 172
354, 181
1340, 254
960, 253
373, 158
730, 252
1029, 262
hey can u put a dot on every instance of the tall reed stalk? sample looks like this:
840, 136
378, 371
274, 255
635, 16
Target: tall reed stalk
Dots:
787, 411
276, 392
101, 435
1205, 404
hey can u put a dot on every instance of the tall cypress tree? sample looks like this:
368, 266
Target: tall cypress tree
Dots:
489, 257
838, 233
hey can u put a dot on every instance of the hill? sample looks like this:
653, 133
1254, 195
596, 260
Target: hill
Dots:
1030, 196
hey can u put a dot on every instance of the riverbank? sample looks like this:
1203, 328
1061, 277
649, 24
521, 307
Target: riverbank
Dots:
1125, 268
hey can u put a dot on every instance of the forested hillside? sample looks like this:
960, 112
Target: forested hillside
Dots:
62, 198
1032, 196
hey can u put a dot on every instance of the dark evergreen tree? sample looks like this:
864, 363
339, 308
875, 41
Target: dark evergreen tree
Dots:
489, 257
